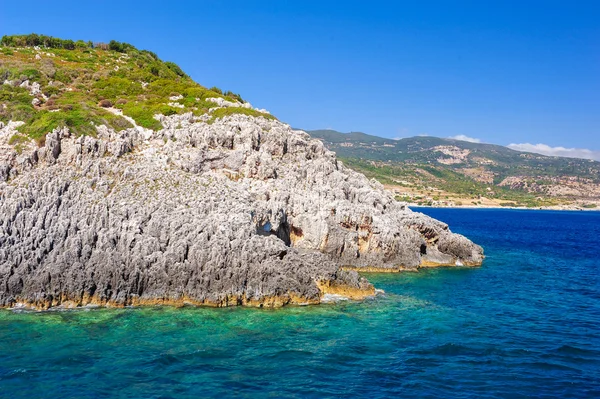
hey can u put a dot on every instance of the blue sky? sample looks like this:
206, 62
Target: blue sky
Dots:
499, 71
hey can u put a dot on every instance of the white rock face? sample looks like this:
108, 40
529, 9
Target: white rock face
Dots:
220, 102
241, 211
34, 88
223, 103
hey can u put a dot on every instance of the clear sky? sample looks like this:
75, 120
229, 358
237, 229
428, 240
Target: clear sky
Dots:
499, 71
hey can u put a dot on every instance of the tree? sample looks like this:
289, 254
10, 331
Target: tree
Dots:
115, 46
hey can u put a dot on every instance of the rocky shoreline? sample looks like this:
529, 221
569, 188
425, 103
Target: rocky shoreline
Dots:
237, 211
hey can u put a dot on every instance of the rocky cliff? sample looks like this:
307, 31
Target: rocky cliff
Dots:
105, 200
241, 210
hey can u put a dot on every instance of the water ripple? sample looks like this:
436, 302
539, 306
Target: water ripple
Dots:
524, 325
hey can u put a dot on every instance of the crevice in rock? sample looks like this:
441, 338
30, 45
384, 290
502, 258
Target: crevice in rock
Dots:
282, 232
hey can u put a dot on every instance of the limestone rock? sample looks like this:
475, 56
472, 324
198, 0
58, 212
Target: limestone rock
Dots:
243, 211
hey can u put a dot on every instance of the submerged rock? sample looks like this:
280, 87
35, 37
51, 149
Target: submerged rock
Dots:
243, 211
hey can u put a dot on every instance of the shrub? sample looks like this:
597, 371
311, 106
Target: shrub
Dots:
175, 68
31, 74
105, 103
115, 46
8, 41
34, 39
48, 68
69, 45
115, 87
143, 115
233, 96
117, 122
149, 53
119, 46
62, 76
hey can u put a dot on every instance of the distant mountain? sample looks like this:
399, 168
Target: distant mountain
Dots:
531, 178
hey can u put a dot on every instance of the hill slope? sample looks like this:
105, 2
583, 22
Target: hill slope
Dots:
78, 84
467, 170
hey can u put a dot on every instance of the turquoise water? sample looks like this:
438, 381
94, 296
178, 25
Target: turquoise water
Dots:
526, 324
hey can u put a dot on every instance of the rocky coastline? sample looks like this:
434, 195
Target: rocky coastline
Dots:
240, 210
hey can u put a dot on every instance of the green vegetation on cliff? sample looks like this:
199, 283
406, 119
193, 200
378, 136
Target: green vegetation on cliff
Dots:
80, 83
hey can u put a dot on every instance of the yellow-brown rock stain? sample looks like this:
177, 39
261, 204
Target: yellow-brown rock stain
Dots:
328, 287
274, 301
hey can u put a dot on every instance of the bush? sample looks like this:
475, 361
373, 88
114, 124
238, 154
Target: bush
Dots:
62, 76
150, 53
105, 103
175, 68
119, 47
48, 68
233, 96
143, 115
115, 46
31, 74
34, 39
69, 45
114, 87
117, 122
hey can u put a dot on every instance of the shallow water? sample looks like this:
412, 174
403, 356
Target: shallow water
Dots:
526, 324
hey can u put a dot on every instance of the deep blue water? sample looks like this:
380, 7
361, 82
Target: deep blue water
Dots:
526, 324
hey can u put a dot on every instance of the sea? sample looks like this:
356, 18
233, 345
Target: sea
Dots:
524, 325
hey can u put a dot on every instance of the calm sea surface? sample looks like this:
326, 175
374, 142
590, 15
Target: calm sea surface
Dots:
526, 324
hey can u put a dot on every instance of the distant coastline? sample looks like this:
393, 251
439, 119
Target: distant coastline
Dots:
521, 208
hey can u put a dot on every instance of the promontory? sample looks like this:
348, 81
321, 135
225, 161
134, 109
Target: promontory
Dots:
124, 182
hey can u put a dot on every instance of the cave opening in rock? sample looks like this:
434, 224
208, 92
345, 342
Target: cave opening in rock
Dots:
423, 249
282, 232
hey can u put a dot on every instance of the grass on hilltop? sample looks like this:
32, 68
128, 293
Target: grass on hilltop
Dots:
80, 79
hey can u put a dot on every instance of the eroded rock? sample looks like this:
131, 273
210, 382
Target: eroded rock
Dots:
243, 211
